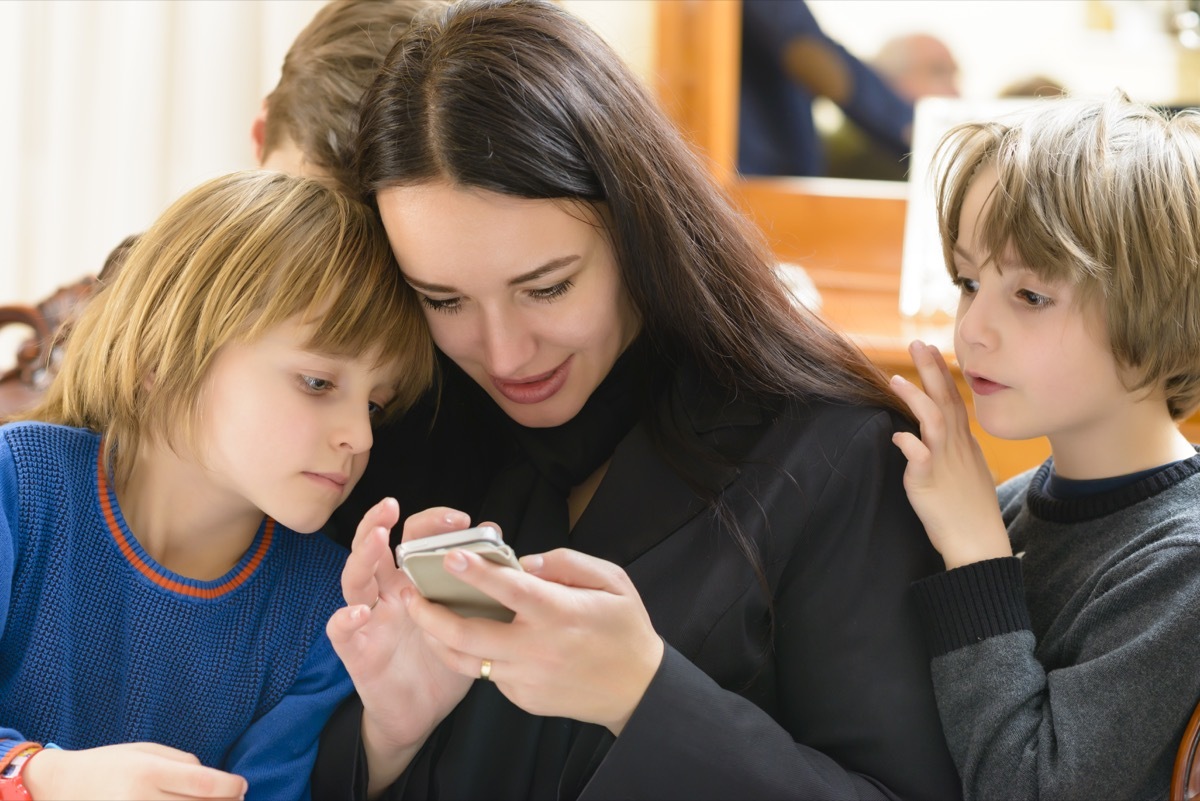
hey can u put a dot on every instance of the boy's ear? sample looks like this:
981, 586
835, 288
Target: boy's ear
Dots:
258, 132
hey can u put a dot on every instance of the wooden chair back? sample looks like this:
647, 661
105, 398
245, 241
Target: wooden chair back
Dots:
1185, 778
38, 356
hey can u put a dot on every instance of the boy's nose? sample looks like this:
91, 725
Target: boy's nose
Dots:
974, 325
356, 434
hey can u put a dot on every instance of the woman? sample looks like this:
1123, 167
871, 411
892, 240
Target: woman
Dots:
700, 476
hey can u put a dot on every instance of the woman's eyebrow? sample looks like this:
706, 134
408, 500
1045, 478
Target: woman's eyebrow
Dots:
532, 275
548, 267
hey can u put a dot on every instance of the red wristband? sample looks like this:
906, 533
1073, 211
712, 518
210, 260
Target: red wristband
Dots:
12, 785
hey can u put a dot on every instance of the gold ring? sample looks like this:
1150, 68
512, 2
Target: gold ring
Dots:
375, 604
485, 670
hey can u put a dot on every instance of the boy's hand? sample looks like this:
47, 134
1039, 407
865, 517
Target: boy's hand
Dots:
404, 687
129, 770
947, 479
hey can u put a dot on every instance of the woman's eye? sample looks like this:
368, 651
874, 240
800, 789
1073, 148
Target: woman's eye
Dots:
967, 286
1033, 299
316, 385
447, 306
550, 293
374, 409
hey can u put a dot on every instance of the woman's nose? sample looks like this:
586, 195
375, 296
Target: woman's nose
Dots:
508, 345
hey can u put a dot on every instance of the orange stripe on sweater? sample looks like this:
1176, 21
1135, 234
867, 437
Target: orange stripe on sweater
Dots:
114, 528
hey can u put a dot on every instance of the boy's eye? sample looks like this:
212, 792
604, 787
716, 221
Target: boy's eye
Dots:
967, 286
316, 385
1033, 299
447, 306
550, 293
374, 409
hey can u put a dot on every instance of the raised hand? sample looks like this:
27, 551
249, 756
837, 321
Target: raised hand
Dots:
405, 688
581, 645
947, 479
129, 770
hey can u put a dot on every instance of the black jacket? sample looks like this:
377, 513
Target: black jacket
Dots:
816, 687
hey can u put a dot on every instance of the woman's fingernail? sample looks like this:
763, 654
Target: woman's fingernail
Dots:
532, 563
456, 561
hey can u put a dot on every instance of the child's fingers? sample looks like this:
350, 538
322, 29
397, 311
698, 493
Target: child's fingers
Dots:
360, 575
913, 449
196, 781
928, 361
435, 520
927, 412
341, 628
386, 513
955, 407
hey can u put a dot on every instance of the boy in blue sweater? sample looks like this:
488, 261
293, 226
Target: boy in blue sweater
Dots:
162, 611
1064, 632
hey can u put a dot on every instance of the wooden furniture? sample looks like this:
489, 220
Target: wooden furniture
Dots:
847, 235
37, 358
1185, 778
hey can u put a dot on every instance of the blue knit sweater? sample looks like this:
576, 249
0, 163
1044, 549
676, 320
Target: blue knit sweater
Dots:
100, 645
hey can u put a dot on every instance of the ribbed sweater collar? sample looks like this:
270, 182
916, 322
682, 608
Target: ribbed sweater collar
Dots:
1077, 510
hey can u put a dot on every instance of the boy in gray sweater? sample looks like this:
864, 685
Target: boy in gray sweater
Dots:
1065, 632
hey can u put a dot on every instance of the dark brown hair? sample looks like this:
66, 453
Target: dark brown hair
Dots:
520, 97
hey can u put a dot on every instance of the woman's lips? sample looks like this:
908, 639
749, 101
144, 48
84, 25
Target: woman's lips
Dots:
536, 389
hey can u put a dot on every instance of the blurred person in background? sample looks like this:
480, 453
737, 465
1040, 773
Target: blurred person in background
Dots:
915, 65
788, 62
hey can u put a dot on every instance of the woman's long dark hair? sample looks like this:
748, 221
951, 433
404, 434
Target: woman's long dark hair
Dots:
521, 98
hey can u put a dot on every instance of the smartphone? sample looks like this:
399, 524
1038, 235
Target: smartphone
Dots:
421, 560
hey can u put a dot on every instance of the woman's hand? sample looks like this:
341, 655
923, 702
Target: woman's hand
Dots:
405, 688
947, 479
128, 770
581, 645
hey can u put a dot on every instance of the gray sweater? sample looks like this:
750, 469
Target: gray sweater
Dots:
1070, 670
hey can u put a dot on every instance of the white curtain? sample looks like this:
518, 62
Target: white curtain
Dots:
111, 109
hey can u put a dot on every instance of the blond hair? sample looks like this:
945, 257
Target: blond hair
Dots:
226, 262
1105, 196
325, 73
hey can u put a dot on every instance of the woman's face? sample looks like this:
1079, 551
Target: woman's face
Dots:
524, 295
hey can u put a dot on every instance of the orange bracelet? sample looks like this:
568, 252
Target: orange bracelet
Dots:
12, 785
13, 752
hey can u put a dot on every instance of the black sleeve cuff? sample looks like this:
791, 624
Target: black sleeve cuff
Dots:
969, 604
340, 771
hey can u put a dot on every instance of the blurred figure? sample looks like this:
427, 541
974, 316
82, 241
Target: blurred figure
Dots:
918, 65
915, 65
787, 62
1034, 86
